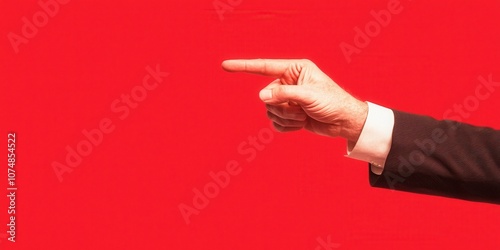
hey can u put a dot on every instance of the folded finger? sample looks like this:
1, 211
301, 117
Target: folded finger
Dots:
287, 111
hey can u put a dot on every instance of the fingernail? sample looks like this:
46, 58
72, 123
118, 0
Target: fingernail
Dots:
266, 94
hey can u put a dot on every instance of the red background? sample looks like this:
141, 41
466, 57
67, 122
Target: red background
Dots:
125, 194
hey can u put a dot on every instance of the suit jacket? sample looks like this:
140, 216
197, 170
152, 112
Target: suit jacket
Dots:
443, 158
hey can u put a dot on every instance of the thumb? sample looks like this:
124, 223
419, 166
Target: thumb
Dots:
286, 93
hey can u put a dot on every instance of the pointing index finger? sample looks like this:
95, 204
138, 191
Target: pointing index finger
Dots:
267, 67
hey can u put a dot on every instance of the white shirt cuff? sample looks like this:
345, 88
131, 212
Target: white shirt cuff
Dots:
375, 140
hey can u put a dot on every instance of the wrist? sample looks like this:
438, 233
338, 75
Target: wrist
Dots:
355, 118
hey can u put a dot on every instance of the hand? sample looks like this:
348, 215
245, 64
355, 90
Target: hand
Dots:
303, 96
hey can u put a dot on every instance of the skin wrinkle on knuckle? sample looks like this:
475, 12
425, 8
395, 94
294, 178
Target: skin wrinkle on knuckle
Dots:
264, 66
302, 72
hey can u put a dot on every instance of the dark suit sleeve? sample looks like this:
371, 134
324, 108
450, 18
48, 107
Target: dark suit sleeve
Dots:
443, 158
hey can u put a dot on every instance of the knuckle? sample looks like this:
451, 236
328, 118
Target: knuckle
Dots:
280, 91
306, 62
